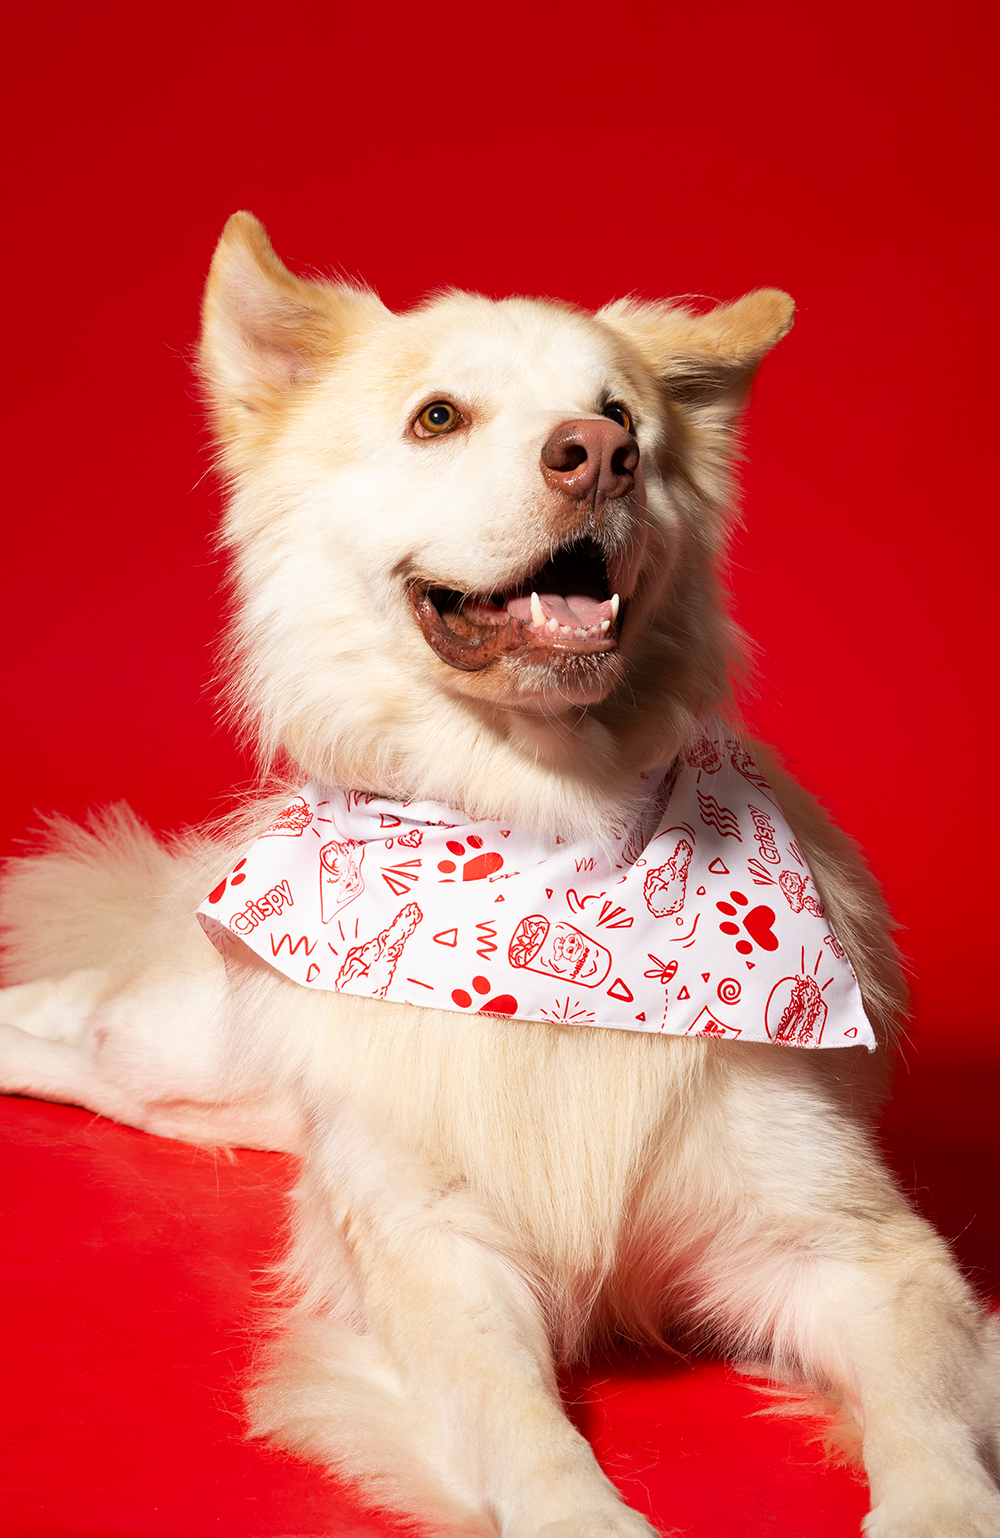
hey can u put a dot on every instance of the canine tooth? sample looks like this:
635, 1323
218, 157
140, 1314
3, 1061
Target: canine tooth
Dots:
537, 612
614, 608
605, 625
553, 626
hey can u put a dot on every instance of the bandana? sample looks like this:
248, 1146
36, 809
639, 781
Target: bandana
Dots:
699, 918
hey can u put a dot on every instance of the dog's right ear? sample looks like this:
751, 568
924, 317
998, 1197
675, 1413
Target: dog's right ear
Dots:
265, 333
705, 362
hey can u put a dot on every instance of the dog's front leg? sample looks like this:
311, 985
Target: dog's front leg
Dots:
422, 1367
834, 1274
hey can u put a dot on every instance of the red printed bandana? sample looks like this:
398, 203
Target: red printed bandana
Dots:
699, 918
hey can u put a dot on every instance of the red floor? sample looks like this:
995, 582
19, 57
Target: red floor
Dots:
126, 1286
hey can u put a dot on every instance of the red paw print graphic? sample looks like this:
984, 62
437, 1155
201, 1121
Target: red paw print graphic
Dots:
478, 868
239, 875
503, 1004
758, 924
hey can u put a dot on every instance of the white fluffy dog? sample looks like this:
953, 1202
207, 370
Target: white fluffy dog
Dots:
434, 518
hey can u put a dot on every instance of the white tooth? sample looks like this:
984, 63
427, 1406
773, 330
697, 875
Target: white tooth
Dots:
605, 625
566, 629
537, 612
614, 608
581, 633
553, 626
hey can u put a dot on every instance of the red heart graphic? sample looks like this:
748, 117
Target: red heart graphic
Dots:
758, 926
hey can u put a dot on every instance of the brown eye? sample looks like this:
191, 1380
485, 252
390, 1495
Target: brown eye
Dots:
438, 417
616, 413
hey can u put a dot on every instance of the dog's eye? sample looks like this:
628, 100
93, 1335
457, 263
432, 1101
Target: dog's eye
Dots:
439, 417
616, 413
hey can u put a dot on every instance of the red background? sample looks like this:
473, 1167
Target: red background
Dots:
582, 151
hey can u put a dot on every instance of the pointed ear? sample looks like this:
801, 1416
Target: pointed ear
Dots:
265, 333
706, 362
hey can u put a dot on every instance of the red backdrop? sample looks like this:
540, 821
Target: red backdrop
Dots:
579, 150
569, 149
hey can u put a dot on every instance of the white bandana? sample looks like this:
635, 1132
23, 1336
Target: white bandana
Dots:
703, 920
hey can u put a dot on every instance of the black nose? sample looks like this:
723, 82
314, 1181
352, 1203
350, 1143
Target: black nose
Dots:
591, 458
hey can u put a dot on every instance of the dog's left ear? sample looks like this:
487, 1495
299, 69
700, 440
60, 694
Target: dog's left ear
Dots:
266, 333
706, 363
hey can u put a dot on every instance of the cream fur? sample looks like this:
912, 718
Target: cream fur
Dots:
480, 1198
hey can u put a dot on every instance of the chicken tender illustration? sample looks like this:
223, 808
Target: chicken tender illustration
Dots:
558, 950
796, 1012
340, 878
291, 821
665, 887
796, 890
376, 959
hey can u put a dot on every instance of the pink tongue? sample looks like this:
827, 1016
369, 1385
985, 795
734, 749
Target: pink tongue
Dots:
576, 609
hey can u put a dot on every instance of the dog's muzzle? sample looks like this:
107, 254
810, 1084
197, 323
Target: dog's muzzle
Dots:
570, 606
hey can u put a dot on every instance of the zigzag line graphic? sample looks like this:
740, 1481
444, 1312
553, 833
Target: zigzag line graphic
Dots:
719, 817
302, 940
487, 939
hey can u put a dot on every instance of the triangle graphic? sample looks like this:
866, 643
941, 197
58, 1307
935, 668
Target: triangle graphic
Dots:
500, 899
705, 976
447, 937
548, 891
719, 868
683, 994
642, 1016
852, 1032
620, 990
505, 833
751, 965
701, 891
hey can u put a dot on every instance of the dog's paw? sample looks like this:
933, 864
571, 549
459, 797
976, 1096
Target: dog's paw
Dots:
978, 1517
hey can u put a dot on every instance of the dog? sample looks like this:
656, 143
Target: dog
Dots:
475, 554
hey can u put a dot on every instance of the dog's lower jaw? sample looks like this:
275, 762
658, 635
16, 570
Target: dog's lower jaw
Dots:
544, 683
557, 685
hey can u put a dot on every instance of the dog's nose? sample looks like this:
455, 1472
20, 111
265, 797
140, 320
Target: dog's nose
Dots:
591, 458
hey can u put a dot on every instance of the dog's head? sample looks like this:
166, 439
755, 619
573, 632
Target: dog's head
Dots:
475, 543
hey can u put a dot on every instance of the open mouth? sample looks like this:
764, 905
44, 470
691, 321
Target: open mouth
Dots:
566, 607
